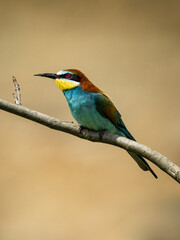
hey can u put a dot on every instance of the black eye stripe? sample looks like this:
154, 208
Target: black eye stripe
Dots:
76, 78
71, 77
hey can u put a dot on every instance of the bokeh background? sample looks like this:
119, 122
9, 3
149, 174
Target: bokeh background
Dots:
56, 186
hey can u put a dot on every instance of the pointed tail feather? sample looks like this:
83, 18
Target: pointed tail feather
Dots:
142, 163
140, 160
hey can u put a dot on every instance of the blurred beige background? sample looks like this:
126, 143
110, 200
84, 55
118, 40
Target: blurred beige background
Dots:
56, 186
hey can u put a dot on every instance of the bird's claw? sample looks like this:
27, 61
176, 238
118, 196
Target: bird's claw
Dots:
101, 134
81, 128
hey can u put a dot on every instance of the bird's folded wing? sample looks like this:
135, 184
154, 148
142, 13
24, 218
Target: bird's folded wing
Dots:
107, 109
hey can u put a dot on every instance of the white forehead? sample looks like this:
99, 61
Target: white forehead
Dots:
61, 72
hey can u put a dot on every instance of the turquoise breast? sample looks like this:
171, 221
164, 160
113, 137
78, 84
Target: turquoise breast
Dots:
83, 109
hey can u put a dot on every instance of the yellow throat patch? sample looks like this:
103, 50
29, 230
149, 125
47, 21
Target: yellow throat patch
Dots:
66, 84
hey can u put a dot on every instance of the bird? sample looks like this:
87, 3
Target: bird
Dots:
92, 108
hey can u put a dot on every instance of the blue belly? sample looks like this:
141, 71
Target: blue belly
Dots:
83, 109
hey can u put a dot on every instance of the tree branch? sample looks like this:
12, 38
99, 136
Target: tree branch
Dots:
158, 159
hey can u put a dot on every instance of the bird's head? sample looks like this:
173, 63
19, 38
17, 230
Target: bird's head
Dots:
69, 79
65, 79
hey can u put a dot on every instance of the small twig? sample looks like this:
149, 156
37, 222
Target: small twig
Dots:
17, 96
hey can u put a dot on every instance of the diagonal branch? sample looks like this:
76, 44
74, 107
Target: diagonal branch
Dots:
158, 159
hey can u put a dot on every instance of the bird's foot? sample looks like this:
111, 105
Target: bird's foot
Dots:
81, 128
101, 134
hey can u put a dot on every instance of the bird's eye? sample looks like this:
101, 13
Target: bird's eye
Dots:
68, 75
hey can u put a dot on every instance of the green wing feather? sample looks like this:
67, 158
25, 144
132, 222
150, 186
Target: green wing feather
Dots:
107, 109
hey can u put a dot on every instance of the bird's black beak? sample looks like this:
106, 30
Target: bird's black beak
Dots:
48, 75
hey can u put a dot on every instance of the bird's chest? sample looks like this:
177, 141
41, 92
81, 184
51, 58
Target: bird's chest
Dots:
83, 108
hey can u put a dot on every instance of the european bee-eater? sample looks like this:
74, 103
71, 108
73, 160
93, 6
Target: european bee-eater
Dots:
92, 108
